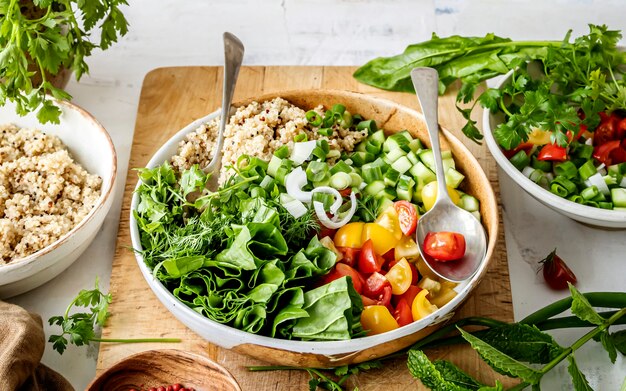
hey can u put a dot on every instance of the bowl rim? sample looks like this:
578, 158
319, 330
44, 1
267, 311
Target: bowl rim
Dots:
105, 193
117, 366
318, 347
541, 194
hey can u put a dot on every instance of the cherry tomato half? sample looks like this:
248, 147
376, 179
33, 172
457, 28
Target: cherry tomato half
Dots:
421, 307
377, 319
383, 239
552, 152
369, 262
349, 235
341, 270
374, 285
400, 277
444, 246
350, 255
402, 313
408, 296
556, 273
407, 215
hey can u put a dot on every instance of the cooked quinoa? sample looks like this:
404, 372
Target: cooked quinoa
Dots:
258, 130
44, 193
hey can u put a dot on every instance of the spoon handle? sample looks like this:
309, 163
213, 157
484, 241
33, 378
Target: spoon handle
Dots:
233, 56
426, 84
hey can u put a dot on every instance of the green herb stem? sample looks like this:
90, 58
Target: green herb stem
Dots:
596, 299
135, 340
573, 322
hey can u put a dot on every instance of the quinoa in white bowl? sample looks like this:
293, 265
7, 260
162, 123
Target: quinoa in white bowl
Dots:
44, 193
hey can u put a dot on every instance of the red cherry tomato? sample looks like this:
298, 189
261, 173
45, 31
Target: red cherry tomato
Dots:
552, 152
444, 246
341, 270
526, 147
621, 129
402, 313
603, 152
408, 296
385, 298
374, 285
389, 256
556, 273
323, 232
367, 301
407, 215
346, 192
618, 155
350, 255
369, 262
606, 131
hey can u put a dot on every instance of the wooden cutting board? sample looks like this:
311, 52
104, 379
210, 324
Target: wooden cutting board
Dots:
172, 98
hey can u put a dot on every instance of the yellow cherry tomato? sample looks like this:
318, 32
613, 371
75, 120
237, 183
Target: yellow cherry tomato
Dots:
377, 319
424, 270
389, 219
539, 137
421, 307
429, 195
443, 297
349, 235
400, 277
382, 239
406, 248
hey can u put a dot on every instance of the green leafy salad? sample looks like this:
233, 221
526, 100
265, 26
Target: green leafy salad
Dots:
250, 255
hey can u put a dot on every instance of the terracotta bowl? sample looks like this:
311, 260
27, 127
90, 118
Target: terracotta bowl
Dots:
90, 145
155, 368
393, 118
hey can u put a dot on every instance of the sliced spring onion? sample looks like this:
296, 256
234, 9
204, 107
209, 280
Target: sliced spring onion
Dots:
282, 152
566, 169
619, 197
302, 151
527, 171
300, 137
598, 181
589, 193
340, 180
313, 118
325, 131
296, 208
520, 160
586, 170
332, 223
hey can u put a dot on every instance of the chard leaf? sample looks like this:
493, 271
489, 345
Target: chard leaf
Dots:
523, 342
578, 378
421, 368
501, 361
582, 309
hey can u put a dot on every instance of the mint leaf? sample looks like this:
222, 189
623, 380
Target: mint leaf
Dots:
582, 309
578, 378
523, 342
501, 361
608, 345
455, 375
619, 340
421, 368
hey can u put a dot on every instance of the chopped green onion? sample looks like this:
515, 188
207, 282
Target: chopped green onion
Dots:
356, 180
562, 186
373, 147
300, 138
586, 170
520, 160
340, 166
371, 173
589, 193
325, 131
282, 152
274, 164
321, 150
338, 109
313, 118
317, 171
605, 205
340, 180
576, 198
542, 165
369, 125
618, 195
566, 169
346, 120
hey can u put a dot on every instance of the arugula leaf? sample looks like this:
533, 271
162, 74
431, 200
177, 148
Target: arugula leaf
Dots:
578, 378
582, 309
501, 361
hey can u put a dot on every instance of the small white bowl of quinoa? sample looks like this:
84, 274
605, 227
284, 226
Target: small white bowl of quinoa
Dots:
56, 182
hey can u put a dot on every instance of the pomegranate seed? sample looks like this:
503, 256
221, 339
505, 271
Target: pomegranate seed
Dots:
177, 387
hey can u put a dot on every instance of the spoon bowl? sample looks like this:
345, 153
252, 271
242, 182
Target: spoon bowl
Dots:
444, 215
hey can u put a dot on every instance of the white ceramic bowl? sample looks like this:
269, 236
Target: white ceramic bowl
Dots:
585, 214
329, 354
91, 146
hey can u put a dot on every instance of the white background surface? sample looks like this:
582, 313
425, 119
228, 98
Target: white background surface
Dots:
327, 32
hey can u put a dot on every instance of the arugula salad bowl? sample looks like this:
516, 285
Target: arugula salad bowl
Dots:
392, 118
605, 218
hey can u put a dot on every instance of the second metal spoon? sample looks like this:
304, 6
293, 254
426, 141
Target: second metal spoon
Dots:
444, 215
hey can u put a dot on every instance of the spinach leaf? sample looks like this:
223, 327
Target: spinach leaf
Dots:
332, 310
253, 241
178, 267
314, 260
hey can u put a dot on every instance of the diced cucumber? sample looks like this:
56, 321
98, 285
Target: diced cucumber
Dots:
406, 195
402, 165
371, 173
394, 155
446, 154
360, 158
412, 157
426, 156
380, 162
384, 204
375, 188
396, 141
378, 136
618, 195
415, 145
273, 165
469, 203
391, 177
454, 178
420, 171
389, 193
406, 134
405, 188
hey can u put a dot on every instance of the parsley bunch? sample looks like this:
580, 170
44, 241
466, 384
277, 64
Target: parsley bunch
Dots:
36, 46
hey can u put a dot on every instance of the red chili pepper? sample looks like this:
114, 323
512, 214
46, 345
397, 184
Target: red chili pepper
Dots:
553, 152
526, 147
602, 152
581, 130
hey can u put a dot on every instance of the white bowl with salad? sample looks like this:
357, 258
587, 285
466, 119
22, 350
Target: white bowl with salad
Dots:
578, 170
305, 256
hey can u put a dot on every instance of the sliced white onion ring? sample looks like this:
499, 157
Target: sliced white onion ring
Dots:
294, 182
329, 190
302, 151
333, 223
598, 181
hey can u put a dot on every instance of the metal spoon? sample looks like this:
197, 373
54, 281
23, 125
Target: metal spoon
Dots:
233, 56
444, 215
